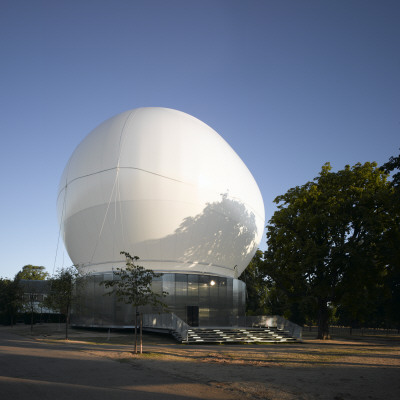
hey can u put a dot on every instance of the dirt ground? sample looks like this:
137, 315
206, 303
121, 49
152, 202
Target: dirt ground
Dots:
340, 369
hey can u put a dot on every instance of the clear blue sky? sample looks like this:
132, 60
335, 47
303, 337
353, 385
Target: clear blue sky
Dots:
290, 85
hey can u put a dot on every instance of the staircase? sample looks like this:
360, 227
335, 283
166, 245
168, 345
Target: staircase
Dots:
265, 329
234, 335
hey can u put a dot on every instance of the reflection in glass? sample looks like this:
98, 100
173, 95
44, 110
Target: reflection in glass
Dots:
218, 304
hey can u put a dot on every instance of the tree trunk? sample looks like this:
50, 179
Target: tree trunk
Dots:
31, 320
66, 324
323, 320
135, 330
141, 333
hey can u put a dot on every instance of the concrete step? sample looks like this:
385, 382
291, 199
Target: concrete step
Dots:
234, 335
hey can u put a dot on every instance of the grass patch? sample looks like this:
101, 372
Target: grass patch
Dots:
152, 355
124, 360
122, 340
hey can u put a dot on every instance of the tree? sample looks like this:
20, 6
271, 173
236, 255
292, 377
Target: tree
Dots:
391, 306
392, 165
254, 278
26, 278
325, 241
62, 292
133, 286
32, 272
29, 299
10, 300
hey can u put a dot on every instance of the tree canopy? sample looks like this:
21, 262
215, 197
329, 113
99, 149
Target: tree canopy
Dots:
10, 300
32, 272
392, 165
326, 241
390, 299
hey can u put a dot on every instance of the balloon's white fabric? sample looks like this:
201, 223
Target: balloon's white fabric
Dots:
164, 186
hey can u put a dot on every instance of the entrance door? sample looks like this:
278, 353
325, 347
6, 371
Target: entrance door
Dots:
192, 315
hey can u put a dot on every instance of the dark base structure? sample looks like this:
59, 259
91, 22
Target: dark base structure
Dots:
198, 300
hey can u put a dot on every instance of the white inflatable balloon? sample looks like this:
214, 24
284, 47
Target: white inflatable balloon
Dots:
162, 185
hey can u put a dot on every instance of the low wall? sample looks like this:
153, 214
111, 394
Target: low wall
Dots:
166, 321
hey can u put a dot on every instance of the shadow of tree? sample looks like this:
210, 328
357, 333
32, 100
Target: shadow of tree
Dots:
224, 234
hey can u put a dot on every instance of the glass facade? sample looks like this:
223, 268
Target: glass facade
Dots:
199, 300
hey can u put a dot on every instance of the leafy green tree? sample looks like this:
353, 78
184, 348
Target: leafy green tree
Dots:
254, 278
32, 272
133, 286
392, 165
10, 300
391, 242
63, 292
325, 241
26, 276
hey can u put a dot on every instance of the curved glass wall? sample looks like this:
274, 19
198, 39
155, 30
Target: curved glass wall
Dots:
199, 300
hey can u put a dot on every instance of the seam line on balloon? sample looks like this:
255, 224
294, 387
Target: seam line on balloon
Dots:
194, 263
113, 168
143, 170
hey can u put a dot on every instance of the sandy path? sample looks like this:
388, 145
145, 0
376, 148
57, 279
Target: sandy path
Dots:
335, 370
31, 369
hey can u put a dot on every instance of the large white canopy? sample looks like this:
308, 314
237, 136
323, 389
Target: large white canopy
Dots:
164, 186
